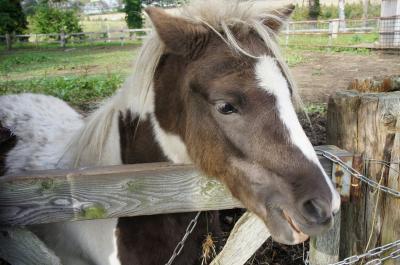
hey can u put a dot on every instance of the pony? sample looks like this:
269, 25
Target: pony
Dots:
209, 87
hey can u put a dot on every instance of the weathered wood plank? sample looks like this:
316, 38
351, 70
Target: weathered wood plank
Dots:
19, 246
106, 192
244, 240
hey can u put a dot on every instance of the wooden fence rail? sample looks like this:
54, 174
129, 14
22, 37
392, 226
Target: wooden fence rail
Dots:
128, 190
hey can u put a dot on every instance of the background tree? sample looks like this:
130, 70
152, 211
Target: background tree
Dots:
12, 18
48, 19
314, 9
133, 10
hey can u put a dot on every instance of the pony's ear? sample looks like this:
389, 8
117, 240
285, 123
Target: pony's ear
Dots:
179, 35
279, 17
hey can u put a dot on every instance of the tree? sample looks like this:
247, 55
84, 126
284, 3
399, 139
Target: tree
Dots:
12, 18
48, 19
314, 9
133, 10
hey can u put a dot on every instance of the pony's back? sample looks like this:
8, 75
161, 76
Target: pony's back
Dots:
41, 127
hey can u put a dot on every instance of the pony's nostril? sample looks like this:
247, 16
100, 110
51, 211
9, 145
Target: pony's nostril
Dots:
317, 211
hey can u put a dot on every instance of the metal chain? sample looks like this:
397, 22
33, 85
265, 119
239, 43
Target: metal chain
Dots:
358, 175
181, 244
373, 253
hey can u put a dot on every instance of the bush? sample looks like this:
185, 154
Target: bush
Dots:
133, 10
12, 18
52, 20
352, 11
314, 9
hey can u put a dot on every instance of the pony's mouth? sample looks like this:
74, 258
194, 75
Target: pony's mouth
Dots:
298, 236
291, 222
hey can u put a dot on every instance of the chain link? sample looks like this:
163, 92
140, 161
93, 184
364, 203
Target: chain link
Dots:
375, 252
181, 244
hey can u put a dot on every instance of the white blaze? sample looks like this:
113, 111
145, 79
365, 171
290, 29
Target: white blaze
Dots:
271, 79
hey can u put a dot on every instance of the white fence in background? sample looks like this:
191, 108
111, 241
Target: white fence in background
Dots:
385, 32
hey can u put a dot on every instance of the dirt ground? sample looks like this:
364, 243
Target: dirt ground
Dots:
322, 74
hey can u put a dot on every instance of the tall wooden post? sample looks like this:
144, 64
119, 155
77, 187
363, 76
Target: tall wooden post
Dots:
368, 124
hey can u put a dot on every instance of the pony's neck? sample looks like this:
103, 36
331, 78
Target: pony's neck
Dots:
146, 141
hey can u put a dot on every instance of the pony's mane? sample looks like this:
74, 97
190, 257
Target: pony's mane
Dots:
88, 145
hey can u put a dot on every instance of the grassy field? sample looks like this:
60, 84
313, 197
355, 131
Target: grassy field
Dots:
79, 76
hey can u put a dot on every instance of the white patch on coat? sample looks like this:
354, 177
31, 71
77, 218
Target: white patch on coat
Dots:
43, 125
172, 145
271, 79
89, 242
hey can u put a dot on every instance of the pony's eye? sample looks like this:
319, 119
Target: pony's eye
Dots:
226, 108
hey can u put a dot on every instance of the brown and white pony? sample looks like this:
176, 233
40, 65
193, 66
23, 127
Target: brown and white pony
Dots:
210, 88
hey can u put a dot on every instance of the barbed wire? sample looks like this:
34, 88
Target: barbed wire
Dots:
375, 252
358, 175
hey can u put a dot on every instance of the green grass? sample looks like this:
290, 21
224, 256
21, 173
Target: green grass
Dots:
80, 91
79, 76
26, 64
293, 56
98, 25
316, 108
323, 40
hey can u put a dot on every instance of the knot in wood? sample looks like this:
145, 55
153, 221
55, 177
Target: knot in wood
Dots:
388, 119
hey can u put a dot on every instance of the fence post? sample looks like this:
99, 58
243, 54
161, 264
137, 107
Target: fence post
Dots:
368, 124
287, 34
324, 249
62, 39
8, 41
108, 33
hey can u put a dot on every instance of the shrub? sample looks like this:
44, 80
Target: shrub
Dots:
133, 10
314, 9
52, 20
12, 18
352, 11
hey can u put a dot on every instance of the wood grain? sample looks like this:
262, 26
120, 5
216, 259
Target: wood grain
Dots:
248, 234
19, 246
129, 190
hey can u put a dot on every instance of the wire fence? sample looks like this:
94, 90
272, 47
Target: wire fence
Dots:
380, 254
70, 39
381, 33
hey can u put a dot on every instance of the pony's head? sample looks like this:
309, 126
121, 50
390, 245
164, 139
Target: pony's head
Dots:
223, 99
